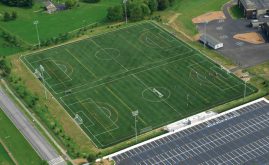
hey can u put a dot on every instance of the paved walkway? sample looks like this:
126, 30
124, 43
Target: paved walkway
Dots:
38, 142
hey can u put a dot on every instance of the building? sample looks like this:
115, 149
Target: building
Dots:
256, 23
50, 7
211, 41
265, 28
254, 8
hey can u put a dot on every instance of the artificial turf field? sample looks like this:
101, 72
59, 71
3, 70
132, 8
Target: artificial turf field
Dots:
102, 79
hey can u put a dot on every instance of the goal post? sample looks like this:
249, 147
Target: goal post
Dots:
157, 93
78, 119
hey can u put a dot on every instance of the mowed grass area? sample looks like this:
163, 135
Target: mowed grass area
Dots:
193, 8
16, 143
101, 80
4, 157
51, 25
7, 50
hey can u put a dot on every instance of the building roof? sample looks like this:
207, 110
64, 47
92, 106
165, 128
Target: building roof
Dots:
209, 39
255, 4
49, 5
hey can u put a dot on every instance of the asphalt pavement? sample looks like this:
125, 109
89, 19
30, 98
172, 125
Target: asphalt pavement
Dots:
242, 53
37, 141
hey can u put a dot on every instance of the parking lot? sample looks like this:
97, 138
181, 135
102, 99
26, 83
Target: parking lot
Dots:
242, 53
238, 137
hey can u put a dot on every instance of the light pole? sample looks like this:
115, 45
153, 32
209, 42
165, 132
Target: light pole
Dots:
135, 113
36, 23
125, 8
245, 90
42, 69
187, 100
205, 23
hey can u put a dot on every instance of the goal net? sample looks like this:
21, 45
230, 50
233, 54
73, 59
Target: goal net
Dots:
156, 92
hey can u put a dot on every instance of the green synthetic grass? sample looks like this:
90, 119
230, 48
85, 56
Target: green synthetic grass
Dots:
142, 67
51, 25
4, 157
15, 142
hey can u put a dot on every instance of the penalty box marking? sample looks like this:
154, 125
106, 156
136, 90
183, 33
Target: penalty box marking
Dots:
90, 100
211, 68
50, 59
83, 113
38, 61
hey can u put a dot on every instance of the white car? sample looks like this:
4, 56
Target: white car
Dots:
266, 16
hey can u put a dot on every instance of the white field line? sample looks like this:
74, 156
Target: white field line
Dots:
92, 123
90, 100
203, 55
51, 86
79, 86
181, 129
65, 111
92, 36
220, 88
82, 124
154, 67
144, 84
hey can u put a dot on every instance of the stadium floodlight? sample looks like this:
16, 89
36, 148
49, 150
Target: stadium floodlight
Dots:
42, 69
245, 90
125, 8
38, 39
205, 23
188, 100
135, 114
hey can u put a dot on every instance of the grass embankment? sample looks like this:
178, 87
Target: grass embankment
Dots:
16, 144
5, 159
236, 12
193, 8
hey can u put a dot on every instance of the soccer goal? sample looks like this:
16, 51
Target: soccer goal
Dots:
78, 119
156, 92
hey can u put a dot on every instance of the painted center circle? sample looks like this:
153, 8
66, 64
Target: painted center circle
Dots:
156, 94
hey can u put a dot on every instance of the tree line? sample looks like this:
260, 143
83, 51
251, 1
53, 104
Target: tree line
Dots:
137, 9
18, 3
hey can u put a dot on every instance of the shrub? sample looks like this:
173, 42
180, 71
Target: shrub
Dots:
92, 1
69, 4
115, 13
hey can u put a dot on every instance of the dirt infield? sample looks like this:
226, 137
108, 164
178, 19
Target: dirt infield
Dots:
251, 37
215, 15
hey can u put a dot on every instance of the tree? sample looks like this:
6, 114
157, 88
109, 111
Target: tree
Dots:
145, 10
91, 158
18, 3
5, 67
92, 1
69, 4
171, 2
115, 13
14, 15
136, 12
163, 4
6, 17
153, 5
